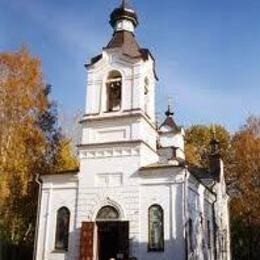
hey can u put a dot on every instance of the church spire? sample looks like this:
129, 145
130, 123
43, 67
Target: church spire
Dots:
169, 121
124, 18
214, 143
169, 112
215, 156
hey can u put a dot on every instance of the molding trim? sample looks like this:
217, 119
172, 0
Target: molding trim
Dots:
110, 152
91, 114
119, 116
137, 142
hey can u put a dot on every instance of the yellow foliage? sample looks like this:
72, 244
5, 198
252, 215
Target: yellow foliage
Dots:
65, 159
197, 142
29, 141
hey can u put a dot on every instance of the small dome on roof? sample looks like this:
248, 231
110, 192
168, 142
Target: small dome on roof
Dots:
124, 11
169, 121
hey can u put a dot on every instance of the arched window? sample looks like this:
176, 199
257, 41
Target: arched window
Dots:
114, 91
62, 229
156, 229
107, 213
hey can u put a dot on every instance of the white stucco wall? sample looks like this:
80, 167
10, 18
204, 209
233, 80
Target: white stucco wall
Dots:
57, 192
130, 127
164, 187
200, 210
222, 216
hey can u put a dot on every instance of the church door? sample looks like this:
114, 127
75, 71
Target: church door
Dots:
113, 240
86, 241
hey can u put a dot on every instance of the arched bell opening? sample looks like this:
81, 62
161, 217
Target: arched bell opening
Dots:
114, 91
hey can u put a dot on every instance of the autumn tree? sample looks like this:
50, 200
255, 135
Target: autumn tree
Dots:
245, 206
197, 142
241, 155
30, 142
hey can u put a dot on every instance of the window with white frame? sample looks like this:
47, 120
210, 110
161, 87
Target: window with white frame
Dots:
156, 228
62, 229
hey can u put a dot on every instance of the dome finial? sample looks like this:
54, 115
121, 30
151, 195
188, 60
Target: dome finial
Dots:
169, 111
169, 121
123, 4
214, 131
124, 18
214, 143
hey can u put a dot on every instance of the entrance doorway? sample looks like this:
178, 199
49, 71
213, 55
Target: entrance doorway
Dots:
112, 240
112, 235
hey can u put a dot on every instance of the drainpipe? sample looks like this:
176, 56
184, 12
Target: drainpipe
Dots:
214, 222
185, 199
38, 181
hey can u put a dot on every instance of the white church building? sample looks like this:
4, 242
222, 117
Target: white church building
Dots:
134, 195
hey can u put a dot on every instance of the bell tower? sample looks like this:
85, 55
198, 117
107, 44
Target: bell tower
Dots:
120, 102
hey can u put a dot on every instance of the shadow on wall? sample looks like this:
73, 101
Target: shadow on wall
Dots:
136, 251
173, 248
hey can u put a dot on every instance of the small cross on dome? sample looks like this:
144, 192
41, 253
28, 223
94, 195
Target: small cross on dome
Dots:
169, 111
124, 4
214, 143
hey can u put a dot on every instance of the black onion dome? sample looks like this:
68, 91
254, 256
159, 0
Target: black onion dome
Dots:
123, 12
169, 121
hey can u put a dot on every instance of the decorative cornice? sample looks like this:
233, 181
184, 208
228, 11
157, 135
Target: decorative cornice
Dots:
110, 152
99, 117
82, 146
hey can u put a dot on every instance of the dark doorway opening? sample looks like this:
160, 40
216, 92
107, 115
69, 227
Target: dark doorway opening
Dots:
113, 240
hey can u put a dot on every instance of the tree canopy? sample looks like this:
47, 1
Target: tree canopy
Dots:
241, 155
30, 142
197, 140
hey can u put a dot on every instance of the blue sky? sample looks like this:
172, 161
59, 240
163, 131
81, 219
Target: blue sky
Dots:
207, 52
